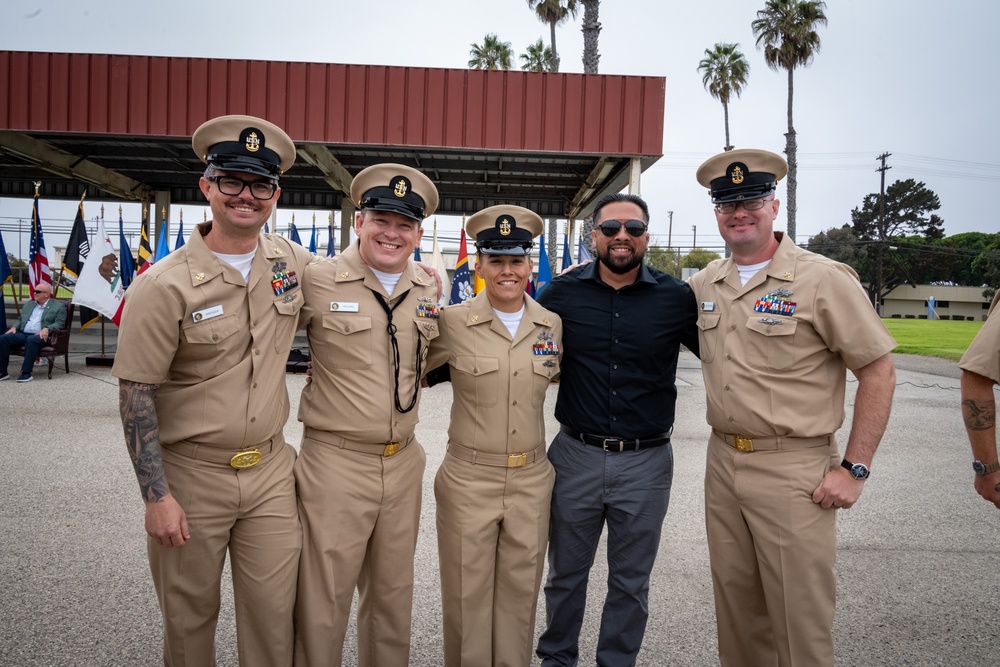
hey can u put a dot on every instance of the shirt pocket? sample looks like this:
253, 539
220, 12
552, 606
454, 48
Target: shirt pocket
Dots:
427, 330
210, 342
707, 334
484, 380
545, 370
347, 341
287, 320
771, 345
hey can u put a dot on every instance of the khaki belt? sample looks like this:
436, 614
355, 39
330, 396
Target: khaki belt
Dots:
497, 460
746, 443
241, 459
384, 449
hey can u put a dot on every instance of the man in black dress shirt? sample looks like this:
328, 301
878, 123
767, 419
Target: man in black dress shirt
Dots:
623, 325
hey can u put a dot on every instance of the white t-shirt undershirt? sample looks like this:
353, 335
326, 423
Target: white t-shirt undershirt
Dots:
239, 262
511, 320
388, 280
750, 270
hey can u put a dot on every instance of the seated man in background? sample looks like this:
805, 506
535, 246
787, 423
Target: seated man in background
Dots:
31, 330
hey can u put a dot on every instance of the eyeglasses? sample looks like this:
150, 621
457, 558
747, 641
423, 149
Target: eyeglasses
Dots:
235, 186
748, 205
633, 227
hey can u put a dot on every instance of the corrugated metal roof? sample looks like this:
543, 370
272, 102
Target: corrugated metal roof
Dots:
551, 142
335, 103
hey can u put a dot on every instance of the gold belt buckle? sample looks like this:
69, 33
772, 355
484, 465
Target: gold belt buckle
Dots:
517, 460
743, 444
247, 459
391, 449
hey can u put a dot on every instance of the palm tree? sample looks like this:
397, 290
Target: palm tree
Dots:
591, 31
724, 72
553, 12
491, 54
787, 30
591, 61
538, 57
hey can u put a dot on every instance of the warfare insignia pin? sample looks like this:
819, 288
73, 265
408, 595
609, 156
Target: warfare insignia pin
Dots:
770, 320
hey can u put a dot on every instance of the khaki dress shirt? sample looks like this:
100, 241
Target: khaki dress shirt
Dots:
216, 345
983, 355
499, 381
352, 394
780, 370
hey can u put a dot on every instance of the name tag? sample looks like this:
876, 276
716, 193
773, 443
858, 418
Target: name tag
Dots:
344, 306
707, 306
207, 313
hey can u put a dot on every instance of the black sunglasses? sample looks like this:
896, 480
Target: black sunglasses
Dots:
633, 227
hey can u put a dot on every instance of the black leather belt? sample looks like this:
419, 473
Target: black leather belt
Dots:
611, 444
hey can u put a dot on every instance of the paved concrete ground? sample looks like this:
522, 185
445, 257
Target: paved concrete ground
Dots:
918, 565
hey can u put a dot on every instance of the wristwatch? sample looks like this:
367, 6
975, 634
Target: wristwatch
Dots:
857, 470
985, 468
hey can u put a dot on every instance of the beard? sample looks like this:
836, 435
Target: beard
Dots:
620, 265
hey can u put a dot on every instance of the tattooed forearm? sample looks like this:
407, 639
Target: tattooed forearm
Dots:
142, 437
979, 415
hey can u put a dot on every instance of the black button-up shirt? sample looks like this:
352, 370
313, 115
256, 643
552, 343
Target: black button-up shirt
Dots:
620, 348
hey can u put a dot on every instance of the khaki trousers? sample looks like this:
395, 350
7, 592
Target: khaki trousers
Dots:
360, 514
252, 514
492, 526
772, 552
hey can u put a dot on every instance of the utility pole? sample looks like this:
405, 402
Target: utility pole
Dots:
670, 234
879, 248
694, 243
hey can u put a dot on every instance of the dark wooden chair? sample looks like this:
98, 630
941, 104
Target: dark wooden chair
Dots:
58, 343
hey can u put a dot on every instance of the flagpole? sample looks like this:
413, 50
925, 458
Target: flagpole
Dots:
103, 317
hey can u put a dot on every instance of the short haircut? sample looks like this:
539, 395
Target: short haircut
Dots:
616, 197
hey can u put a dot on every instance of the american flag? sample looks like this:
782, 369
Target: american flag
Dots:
38, 261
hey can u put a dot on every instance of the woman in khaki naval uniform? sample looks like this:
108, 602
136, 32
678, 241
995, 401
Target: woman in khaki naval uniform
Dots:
494, 486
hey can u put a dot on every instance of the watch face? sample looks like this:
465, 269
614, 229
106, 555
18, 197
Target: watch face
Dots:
979, 467
860, 471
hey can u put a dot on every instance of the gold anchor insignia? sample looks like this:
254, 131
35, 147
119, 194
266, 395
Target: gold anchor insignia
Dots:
505, 226
344, 274
253, 143
474, 319
788, 275
199, 276
737, 175
197, 317
545, 321
400, 189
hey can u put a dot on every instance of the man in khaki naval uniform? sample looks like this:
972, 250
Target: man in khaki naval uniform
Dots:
371, 315
980, 371
779, 327
494, 487
201, 357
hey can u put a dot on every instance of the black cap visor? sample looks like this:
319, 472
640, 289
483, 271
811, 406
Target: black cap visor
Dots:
515, 248
754, 186
245, 164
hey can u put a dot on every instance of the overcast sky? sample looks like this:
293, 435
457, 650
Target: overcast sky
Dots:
910, 77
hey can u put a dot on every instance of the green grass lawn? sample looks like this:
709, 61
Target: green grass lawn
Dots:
933, 338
